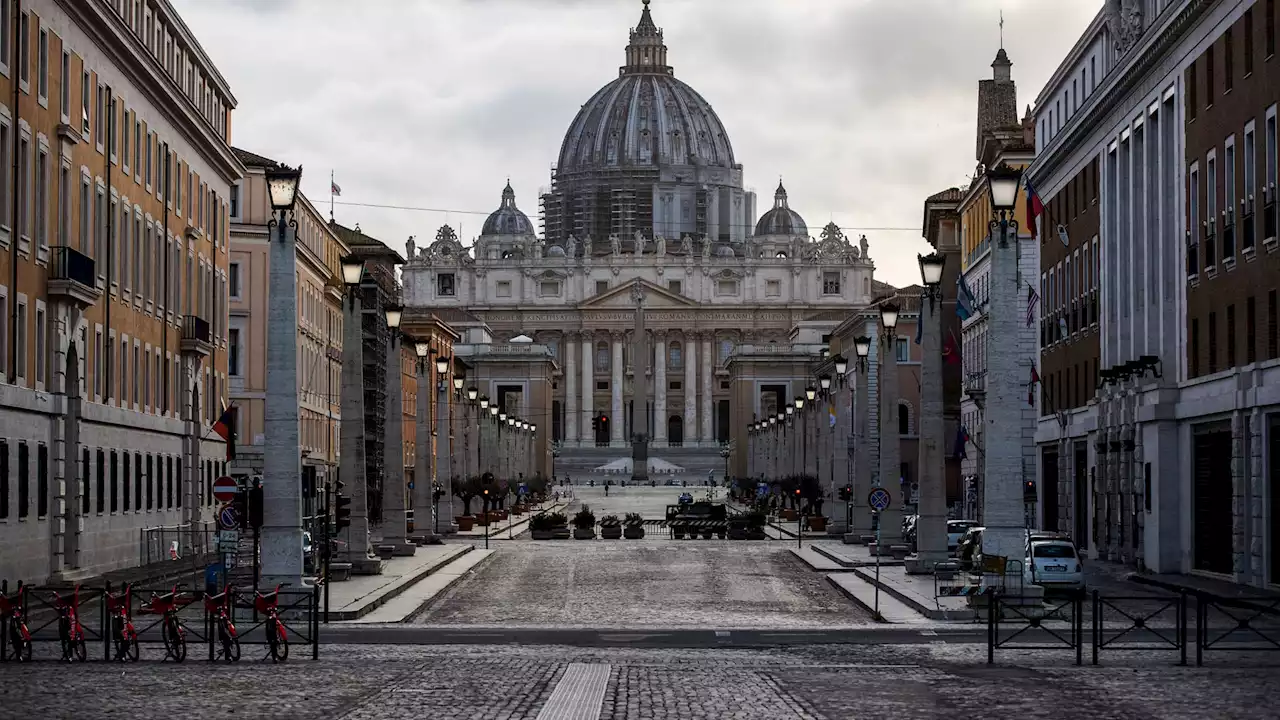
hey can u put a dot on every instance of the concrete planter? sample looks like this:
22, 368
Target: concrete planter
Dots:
818, 524
584, 534
483, 519
543, 534
560, 533
633, 532
611, 532
789, 515
465, 522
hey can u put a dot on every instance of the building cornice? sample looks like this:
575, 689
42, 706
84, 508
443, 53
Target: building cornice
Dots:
1115, 88
129, 55
1097, 27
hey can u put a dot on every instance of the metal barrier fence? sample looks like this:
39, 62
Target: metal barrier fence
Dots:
297, 609
177, 543
1159, 623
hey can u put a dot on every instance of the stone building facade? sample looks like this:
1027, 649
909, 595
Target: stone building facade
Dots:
1164, 446
117, 170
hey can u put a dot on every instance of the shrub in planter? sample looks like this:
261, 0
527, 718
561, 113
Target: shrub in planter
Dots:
633, 526
789, 515
541, 527
465, 522
610, 527
584, 524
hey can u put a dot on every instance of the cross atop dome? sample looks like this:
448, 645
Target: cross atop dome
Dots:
646, 53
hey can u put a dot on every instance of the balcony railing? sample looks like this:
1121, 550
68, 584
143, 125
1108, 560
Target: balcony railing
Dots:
1193, 257
71, 274
1210, 247
1269, 221
1228, 241
195, 335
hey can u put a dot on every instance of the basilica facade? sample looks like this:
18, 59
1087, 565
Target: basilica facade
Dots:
647, 190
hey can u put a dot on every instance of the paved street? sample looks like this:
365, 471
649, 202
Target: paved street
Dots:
844, 682
651, 502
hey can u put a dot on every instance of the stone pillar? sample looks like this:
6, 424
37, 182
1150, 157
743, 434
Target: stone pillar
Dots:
351, 469
193, 429
616, 421
570, 389
890, 476
586, 432
1003, 513
639, 391
690, 389
864, 470
660, 388
840, 452
931, 527
395, 521
423, 472
708, 363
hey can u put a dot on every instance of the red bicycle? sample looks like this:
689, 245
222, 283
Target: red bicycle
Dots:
123, 633
220, 607
70, 631
277, 639
19, 636
175, 640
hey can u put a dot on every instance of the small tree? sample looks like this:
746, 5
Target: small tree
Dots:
466, 491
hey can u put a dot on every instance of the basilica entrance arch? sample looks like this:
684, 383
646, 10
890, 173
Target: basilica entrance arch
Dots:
675, 431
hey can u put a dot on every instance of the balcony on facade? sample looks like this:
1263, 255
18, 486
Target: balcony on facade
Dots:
71, 276
195, 336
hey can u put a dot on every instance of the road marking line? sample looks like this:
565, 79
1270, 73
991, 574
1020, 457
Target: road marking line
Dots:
579, 695
722, 633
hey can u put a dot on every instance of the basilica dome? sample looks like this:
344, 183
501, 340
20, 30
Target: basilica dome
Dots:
781, 219
646, 117
507, 219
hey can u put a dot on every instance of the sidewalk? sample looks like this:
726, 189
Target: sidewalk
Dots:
362, 594
405, 605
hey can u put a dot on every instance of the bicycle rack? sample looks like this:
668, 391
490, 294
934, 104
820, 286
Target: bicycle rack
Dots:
148, 633
33, 613
304, 603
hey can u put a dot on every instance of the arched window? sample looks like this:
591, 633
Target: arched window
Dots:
781, 254
904, 420
602, 355
726, 347
866, 286
675, 354
507, 254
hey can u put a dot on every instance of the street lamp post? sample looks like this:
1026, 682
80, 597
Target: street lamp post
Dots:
931, 525
393, 503
444, 453
889, 522
424, 481
352, 467
1002, 492
282, 560
863, 474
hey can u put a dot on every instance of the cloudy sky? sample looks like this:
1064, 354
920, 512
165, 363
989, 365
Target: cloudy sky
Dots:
863, 107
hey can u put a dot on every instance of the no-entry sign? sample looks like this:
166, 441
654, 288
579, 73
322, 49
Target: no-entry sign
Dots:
225, 489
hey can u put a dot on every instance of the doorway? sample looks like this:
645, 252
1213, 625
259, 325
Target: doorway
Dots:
1049, 489
1080, 497
675, 431
1211, 498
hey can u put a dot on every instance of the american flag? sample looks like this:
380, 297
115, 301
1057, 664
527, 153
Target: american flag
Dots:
1033, 299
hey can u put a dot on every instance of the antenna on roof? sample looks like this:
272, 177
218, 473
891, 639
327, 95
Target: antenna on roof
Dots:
1002, 29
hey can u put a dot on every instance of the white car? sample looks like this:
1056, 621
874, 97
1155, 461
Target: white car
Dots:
956, 530
1055, 565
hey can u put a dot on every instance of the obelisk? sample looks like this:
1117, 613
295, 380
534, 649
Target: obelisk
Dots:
639, 392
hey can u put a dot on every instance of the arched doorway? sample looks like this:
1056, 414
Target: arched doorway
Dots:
675, 431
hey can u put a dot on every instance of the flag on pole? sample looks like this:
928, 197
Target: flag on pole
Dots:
1033, 299
1035, 208
334, 189
962, 439
1031, 386
966, 303
951, 348
225, 428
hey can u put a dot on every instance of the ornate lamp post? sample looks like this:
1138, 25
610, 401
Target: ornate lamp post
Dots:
282, 560
860, 515
931, 525
393, 503
890, 475
425, 484
1002, 493
352, 465
444, 450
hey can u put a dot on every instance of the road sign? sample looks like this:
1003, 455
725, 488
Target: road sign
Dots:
228, 518
225, 489
878, 499
228, 540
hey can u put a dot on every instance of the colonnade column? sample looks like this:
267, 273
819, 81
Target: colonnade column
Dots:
708, 429
588, 387
660, 388
570, 388
690, 388
616, 422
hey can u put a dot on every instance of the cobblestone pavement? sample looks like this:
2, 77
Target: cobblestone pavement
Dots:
660, 583
844, 682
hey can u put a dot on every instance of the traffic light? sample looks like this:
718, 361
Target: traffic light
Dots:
846, 493
240, 503
341, 506
1029, 489
255, 503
